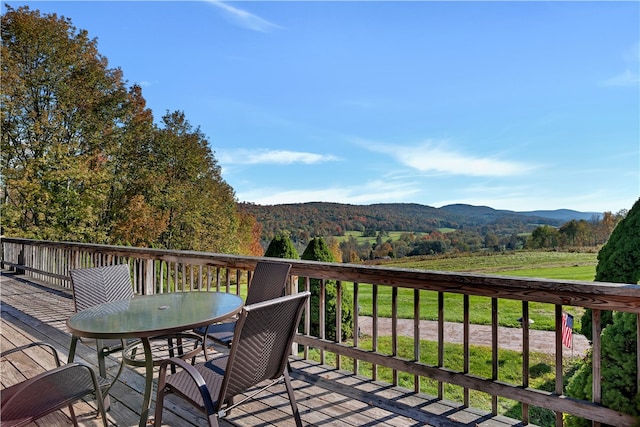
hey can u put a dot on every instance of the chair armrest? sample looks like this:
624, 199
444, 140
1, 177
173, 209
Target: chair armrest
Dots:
51, 348
195, 376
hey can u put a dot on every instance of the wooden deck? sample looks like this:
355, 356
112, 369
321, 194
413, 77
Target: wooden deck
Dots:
325, 396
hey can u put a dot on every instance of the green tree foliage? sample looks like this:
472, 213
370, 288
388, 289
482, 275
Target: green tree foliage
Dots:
61, 114
429, 247
200, 205
136, 206
619, 262
317, 250
543, 237
82, 159
282, 247
619, 259
353, 251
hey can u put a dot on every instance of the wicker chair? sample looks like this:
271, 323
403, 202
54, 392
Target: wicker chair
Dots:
35, 397
97, 285
262, 342
267, 282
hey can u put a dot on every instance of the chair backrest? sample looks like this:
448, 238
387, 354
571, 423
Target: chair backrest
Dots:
268, 281
262, 343
97, 285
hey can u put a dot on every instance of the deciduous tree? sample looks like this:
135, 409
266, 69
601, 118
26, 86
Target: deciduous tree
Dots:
82, 159
61, 112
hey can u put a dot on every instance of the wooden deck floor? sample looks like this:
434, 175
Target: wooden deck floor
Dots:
325, 396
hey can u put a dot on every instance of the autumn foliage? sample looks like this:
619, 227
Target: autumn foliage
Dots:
83, 159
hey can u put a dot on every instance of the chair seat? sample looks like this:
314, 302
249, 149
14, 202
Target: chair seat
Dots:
163, 347
220, 332
212, 372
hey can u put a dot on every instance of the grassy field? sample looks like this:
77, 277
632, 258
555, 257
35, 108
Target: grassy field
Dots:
393, 235
551, 265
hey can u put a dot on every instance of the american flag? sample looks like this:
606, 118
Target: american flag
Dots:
567, 329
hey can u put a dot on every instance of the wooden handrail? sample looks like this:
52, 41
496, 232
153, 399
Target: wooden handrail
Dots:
160, 270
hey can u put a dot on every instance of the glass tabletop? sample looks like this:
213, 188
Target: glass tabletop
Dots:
151, 315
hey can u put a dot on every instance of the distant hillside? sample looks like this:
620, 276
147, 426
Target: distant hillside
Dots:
563, 215
305, 220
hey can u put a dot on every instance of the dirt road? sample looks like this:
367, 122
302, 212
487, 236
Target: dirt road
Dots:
508, 338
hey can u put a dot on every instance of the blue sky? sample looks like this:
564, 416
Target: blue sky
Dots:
512, 105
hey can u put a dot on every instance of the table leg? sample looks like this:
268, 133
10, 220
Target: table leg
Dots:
72, 349
146, 402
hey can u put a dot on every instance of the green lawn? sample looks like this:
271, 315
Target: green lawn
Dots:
532, 264
393, 235
550, 265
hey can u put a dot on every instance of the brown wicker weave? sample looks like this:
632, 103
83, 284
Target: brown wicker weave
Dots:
49, 391
97, 285
262, 342
267, 282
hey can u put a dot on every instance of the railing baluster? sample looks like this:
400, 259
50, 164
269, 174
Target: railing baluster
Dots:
559, 375
596, 345
374, 338
322, 321
338, 322
416, 336
525, 357
440, 341
394, 330
494, 351
356, 325
465, 345
307, 315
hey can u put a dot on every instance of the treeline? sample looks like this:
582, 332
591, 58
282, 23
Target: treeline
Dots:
426, 230
303, 221
571, 235
83, 160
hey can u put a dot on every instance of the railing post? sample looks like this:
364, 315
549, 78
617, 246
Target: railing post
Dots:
149, 277
21, 260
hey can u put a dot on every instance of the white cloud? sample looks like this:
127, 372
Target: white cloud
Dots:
244, 19
371, 192
436, 157
280, 157
528, 198
628, 78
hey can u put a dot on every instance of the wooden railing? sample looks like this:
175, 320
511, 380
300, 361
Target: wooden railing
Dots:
155, 270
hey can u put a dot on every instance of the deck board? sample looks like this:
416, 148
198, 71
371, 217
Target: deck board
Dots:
326, 397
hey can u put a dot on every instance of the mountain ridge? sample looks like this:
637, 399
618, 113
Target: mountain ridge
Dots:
329, 218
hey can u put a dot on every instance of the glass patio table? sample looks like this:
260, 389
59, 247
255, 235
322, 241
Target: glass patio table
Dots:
150, 316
